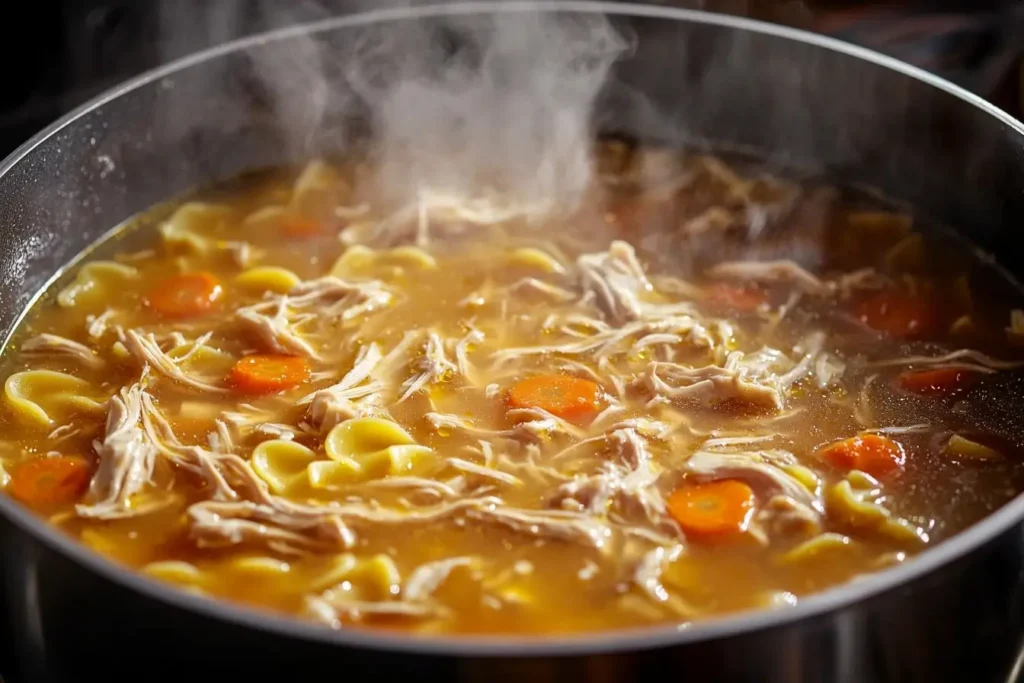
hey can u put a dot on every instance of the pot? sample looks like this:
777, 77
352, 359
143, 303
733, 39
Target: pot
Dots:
799, 100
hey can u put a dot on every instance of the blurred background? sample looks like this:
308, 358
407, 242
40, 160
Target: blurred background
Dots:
60, 53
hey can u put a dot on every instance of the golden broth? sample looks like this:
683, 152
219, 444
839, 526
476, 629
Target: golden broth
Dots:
485, 289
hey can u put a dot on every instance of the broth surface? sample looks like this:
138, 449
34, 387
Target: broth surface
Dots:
708, 390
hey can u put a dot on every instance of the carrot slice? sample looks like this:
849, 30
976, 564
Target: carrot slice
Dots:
561, 395
872, 453
896, 314
185, 296
268, 373
50, 481
732, 296
936, 381
717, 508
302, 228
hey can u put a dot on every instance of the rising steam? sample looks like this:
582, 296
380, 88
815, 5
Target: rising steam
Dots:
460, 105
501, 102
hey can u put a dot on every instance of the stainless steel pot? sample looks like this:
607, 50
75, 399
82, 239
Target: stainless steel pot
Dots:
953, 614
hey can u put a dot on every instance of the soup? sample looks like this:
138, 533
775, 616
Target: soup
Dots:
707, 390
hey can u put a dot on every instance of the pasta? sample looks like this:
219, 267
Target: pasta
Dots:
358, 260
97, 282
706, 389
365, 448
47, 398
268, 279
282, 464
193, 229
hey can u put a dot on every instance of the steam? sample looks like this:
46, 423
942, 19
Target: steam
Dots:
500, 103
462, 105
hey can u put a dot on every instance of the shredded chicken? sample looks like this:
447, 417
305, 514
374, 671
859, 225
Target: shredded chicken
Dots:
328, 611
784, 516
483, 471
647, 577
257, 422
530, 431
462, 350
710, 385
633, 450
754, 467
615, 278
276, 430
904, 429
272, 326
147, 352
355, 395
335, 299
285, 529
628, 485
53, 345
536, 414
226, 475
555, 524
126, 460
770, 271
292, 527
790, 272
532, 285
668, 331
731, 442
825, 369
97, 325
442, 214
427, 578
962, 358
241, 253
428, 488
646, 427
431, 368
325, 302
62, 432
527, 467
220, 439
828, 370
617, 284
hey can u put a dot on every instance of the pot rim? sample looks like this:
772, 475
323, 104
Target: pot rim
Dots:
601, 642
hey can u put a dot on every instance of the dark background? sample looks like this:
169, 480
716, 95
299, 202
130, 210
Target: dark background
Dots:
60, 53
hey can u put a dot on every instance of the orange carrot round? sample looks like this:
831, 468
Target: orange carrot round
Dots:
50, 481
562, 395
714, 509
302, 228
733, 296
936, 381
185, 296
268, 373
896, 314
872, 453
